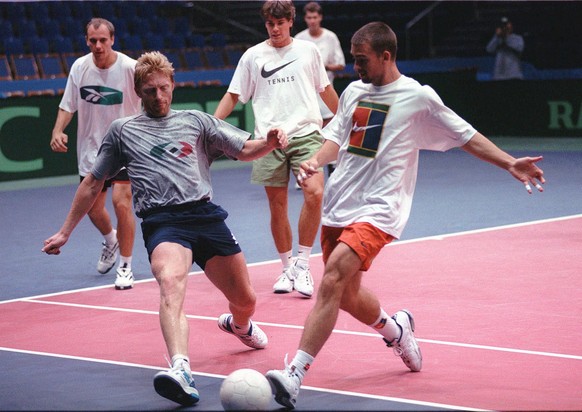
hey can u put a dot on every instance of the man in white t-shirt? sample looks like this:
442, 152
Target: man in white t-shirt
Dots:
283, 76
100, 88
381, 123
331, 52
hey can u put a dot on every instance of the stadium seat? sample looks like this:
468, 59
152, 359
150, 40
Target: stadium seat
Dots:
194, 59
38, 45
154, 42
233, 54
175, 41
13, 45
217, 40
50, 66
175, 57
69, 59
62, 44
24, 67
215, 58
5, 72
6, 29
196, 40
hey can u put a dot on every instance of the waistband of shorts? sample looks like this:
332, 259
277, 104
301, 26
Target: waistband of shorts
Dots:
315, 132
172, 208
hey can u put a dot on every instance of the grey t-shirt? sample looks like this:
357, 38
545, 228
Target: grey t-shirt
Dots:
167, 159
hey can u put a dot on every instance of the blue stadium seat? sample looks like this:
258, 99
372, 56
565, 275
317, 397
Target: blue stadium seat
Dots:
5, 72
196, 40
217, 40
63, 44
193, 59
50, 66
153, 41
6, 29
175, 57
38, 45
175, 41
215, 58
13, 45
24, 66
50, 28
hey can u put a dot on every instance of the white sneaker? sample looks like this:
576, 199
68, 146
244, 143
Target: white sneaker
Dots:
285, 385
255, 338
406, 346
124, 278
108, 257
284, 283
177, 385
303, 281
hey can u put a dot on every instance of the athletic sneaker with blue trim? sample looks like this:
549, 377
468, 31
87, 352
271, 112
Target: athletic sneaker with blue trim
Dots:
285, 385
255, 338
406, 346
108, 257
177, 385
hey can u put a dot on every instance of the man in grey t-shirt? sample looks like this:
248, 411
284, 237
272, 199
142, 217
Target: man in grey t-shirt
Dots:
168, 154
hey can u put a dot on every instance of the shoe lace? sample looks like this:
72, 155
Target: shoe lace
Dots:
108, 251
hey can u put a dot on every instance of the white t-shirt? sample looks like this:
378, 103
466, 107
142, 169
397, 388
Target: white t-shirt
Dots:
283, 84
380, 131
99, 96
332, 54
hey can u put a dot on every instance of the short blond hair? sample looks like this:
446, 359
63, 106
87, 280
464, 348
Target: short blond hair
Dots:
152, 62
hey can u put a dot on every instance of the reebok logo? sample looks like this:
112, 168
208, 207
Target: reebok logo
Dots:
268, 73
101, 95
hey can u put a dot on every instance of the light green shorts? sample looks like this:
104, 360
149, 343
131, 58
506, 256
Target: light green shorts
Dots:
273, 169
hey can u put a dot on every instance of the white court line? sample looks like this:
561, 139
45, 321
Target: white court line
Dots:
300, 327
218, 376
395, 243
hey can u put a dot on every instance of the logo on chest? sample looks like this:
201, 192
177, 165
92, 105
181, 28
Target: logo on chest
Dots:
367, 124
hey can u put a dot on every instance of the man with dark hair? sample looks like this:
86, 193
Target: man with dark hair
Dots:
368, 198
507, 48
283, 76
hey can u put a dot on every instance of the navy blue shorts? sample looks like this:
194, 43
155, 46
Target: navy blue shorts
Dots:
198, 226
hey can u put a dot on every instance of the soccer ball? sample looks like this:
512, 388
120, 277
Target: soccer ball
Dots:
245, 389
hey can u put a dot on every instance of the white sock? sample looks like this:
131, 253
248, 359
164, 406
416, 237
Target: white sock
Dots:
386, 326
303, 255
301, 364
125, 262
239, 329
286, 258
111, 237
181, 361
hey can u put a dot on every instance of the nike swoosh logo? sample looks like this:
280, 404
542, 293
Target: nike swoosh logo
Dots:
269, 73
357, 128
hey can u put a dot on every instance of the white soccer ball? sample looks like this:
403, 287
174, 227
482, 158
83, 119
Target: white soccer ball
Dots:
245, 389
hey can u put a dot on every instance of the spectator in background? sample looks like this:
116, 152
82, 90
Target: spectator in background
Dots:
100, 89
283, 77
507, 47
331, 52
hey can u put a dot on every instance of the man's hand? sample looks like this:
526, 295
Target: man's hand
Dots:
52, 246
277, 139
525, 170
59, 142
307, 169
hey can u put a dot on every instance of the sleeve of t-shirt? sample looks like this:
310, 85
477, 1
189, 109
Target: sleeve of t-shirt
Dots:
108, 161
441, 128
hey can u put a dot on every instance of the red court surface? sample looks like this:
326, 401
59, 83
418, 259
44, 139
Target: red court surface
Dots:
497, 313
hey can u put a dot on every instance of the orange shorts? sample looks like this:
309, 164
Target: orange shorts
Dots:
363, 238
